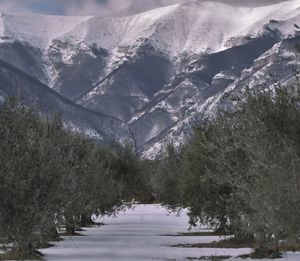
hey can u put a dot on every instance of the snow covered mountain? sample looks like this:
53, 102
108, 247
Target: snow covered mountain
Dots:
154, 74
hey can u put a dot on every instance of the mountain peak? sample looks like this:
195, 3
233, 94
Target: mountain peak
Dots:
159, 70
172, 29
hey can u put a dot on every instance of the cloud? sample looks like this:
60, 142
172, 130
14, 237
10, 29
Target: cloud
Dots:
95, 7
113, 7
15, 6
99, 7
129, 7
82, 7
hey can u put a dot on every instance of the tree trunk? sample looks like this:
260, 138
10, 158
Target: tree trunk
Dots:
52, 234
266, 248
85, 220
23, 250
70, 225
223, 227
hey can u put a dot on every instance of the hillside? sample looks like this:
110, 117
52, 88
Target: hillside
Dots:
159, 71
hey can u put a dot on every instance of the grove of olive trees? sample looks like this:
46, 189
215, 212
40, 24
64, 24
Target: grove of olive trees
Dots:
240, 173
51, 177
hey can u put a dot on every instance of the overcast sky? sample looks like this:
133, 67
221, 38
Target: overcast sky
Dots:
90, 7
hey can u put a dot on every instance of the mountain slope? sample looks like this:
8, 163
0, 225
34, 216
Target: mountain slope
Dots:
194, 26
159, 71
102, 128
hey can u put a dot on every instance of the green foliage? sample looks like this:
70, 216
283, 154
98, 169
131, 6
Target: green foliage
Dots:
241, 172
27, 175
50, 177
165, 175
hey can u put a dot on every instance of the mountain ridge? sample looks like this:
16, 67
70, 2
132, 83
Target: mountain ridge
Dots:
59, 105
157, 71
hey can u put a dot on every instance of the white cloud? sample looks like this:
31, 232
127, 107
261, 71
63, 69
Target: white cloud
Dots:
100, 7
94, 7
83, 7
114, 7
15, 6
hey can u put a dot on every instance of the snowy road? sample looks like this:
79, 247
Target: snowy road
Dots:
138, 234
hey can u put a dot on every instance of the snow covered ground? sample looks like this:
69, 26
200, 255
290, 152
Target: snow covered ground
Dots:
138, 234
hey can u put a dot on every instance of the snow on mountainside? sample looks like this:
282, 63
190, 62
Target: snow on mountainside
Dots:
193, 27
38, 30
158, 71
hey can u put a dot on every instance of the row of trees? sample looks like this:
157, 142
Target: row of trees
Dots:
240, 173
51, 177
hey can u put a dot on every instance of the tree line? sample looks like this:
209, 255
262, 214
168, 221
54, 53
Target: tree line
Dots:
52, 177
240, 173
